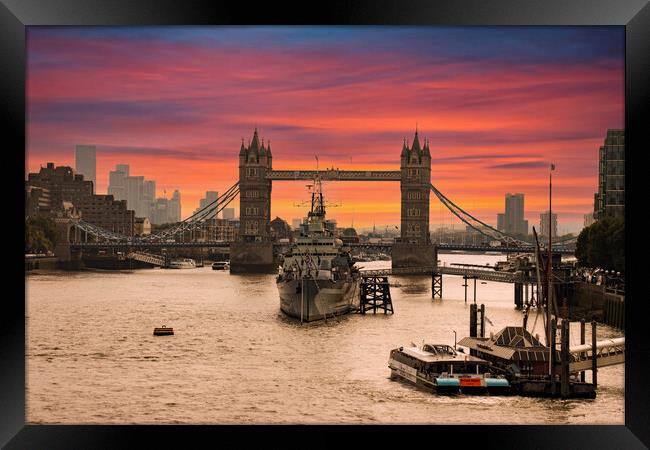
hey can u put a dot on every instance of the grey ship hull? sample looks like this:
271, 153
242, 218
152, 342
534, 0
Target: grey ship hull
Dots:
326, 299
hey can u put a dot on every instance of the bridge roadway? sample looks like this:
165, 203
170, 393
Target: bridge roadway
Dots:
214, 244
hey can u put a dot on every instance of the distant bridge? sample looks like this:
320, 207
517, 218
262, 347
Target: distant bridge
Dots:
156, 244
256, 176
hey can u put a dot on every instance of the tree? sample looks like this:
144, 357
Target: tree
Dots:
602, 244
41, 234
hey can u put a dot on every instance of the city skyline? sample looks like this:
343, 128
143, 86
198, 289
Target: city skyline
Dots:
497, 108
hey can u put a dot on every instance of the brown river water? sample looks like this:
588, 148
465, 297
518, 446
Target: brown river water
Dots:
235, 358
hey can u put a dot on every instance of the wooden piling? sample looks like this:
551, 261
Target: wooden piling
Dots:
594, 362
621, 314
564, 374
472, 320
465, 284
526, 300
482, 321
475, 290
472, 325
582, 342
553, 330
519, 301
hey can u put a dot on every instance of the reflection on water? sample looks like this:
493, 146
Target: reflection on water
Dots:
235, 358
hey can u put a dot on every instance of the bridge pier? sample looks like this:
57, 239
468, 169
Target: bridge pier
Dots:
436, 285
405, 255
252, 257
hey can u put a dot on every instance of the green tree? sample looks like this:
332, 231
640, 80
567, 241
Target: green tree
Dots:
41, 234
603, 245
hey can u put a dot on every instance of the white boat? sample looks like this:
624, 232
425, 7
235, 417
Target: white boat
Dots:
441, 369
221, 265
182, 263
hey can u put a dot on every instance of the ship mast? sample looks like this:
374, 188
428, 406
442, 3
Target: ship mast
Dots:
549, 295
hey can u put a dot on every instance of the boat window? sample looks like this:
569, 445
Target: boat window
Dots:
464, 368
429, 348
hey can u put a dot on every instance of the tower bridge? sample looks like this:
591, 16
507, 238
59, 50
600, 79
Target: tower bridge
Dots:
253, 249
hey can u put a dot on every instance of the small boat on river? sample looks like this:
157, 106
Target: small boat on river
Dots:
221, 265
183, 263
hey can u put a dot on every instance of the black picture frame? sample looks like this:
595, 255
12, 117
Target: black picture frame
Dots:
15, 15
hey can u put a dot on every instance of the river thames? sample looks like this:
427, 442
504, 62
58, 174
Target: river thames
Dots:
235, 358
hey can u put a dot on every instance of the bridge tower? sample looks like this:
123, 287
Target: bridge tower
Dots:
252, 251
414, 248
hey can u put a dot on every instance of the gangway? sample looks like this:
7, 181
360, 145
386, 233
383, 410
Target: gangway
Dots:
156, 260
608, 353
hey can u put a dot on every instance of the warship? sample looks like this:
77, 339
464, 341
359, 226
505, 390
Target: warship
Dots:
317, 278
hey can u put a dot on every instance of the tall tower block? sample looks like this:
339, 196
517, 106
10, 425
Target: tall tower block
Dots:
414, 248
252, 251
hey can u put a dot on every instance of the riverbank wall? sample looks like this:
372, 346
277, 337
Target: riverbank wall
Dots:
593, 302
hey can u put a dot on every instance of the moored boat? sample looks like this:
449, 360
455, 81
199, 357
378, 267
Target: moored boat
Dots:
221, 265
183, 263
442, 369
317, 278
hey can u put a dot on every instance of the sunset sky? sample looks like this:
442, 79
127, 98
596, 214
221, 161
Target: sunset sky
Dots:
498, 105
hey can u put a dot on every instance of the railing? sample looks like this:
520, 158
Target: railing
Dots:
608, 353
336, 175
156, 260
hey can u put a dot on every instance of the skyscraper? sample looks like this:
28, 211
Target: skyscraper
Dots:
210, 197
229, 213
543, 224
512, 221
117, 181
501, 222
610, 199
86, 163
134, 190
174, 208
123, 168
148, 197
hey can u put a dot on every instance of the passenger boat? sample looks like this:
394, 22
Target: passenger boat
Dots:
442, 369
221, 265
183, 263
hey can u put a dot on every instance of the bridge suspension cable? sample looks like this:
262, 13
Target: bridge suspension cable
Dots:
194, 221
190, 223
98, 232
474, 223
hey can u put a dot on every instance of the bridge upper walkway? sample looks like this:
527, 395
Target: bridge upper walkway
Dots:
336, 175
